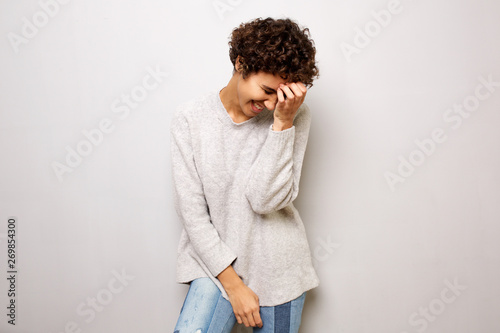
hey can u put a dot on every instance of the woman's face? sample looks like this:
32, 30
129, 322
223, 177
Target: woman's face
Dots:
258, 91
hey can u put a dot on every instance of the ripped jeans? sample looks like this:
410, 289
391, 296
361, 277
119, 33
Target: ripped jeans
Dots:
205, 310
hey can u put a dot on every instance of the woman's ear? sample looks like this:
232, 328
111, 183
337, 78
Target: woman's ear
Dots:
237, 64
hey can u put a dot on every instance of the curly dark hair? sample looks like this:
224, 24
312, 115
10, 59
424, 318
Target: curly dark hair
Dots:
276, 46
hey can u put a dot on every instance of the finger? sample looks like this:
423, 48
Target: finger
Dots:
250, 320
302, 87
245, 321
238, 319
281, 97
289, 94
296, 90
257, 319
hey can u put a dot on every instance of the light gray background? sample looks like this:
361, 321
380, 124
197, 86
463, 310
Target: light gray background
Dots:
386, 256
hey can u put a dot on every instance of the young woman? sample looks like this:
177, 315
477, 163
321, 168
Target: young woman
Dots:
237, 158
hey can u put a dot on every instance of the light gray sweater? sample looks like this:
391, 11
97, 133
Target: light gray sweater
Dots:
234, 184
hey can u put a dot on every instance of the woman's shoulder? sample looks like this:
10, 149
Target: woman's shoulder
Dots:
195, 105
193, 113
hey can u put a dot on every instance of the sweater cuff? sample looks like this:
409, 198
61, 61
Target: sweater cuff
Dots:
281, 138
219, 259
272, 130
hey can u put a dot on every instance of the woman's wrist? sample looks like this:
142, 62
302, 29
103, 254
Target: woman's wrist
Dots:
229, 279
279, 125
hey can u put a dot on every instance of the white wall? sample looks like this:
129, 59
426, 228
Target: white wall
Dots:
387, 255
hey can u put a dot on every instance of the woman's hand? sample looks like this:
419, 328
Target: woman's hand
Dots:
244, 301
286, 108
245, 305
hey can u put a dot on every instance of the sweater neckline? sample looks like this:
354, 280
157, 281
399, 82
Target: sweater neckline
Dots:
226, 118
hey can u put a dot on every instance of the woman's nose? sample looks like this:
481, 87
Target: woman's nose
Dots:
270, 104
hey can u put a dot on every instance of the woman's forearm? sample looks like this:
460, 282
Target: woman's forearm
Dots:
229, 279
244, 301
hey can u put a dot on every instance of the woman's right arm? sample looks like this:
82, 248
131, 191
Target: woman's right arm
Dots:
190, 202
244, 301
192, 210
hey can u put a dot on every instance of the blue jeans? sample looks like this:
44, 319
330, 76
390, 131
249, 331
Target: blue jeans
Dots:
205, 310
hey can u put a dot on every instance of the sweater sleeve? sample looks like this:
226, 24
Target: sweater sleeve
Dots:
274, 177
190, 202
